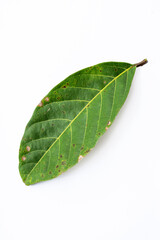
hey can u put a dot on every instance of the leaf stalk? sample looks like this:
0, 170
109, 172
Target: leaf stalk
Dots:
143, 62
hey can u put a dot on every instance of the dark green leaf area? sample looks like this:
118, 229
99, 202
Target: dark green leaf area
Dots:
94, 78
57, 110
67, 123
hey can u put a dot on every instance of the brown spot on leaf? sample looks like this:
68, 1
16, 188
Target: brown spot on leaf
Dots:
87, 151
61, 156
57, 166
47, 99
80, 158
64, 86
109, 123
74, 145
106, 128
50, 172
23, 158
40, 104
104, 82
28, 148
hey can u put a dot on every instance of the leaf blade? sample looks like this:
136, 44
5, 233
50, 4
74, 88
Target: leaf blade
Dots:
93, 132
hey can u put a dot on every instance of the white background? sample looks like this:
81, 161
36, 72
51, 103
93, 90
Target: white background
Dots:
114, 193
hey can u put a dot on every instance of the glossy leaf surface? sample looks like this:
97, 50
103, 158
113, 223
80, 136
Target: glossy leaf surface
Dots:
69, 120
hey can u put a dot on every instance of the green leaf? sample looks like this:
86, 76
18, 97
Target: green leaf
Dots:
69, 120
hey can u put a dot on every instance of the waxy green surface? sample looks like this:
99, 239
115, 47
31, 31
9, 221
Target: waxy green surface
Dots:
70, 119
